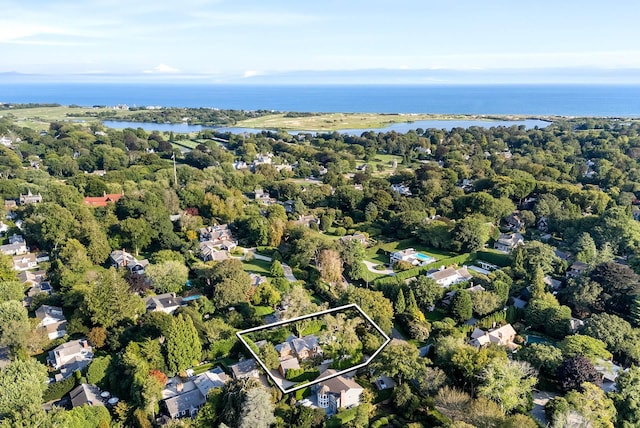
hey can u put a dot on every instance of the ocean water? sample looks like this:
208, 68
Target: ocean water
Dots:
563, 100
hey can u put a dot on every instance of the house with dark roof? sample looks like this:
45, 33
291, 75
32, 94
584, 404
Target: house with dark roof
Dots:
85, 394
577, 269
245, 368
166, 303
193, 394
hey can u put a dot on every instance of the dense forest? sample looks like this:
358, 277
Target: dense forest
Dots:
307, 222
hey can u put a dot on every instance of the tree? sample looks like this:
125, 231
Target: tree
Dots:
627, 397
257, 409
266, 294
580, 345
400, 361
11, 290
485, 302
532, 255
22, 383
374, 304
73, 256
298, 302
508, 384
183, 345
352, 253
14, 326
229, 283
620, 285
109, 301
461, 306
587, 408
330, 266
471, 233
167, 277
575, 371
97, 369
276, 269
615, 332
542, 357
137, 233
97, 336
427, 292
400, 304
585, 248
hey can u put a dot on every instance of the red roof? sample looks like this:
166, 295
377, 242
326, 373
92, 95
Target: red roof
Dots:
102, 201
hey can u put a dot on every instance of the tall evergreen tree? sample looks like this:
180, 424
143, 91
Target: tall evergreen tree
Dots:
183, 344
412, 305
400, 305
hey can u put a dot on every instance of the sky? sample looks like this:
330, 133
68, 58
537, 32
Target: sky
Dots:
321, 41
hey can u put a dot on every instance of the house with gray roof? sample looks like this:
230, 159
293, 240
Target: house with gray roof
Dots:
245, 368
449, 276
193, 394
85, 394
338, 392
52, 320
166, 303
71, 356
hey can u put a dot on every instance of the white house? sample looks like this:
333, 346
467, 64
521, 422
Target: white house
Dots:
449, 276
508, 241
52, 320
411, 256
71, 356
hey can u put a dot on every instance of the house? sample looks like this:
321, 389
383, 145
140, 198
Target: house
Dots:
514, 222
120, 258
31, 278
508, 241
356, 237
577, 269
25, 262
245, 368
6, 141
543, 224
238, 165
446, 300
402, 189
503, 336
85, 394
552, 283
410, 256
217, 233
166, 303
16, 246
210, 251
288, 364
449, 276
3, 228
193, 394
104, 200
338, 392
306, 220
609, 373
263, 197
30, 198
52, 320
302, 348
71, 356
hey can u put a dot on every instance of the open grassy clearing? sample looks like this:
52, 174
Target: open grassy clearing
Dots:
260, 267
40, 117
334, 121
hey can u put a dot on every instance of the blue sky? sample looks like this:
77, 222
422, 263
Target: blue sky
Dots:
293, 40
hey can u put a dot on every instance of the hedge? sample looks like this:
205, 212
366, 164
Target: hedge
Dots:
499, 259
412, 273
57, 390
302, 375
303, 392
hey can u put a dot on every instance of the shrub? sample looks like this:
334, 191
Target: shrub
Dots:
57, 390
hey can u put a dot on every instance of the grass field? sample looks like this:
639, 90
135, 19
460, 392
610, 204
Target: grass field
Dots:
334, 121
40, 117
374, 255
260, 267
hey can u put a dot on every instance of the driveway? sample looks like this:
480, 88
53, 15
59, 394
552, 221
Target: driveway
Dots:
540, 398
372, 268
288, 273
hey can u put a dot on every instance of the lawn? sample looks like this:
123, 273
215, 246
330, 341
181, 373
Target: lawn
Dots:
335, 121
262, 311
378, 252
190, 144
260, 267
225, 362
41, 117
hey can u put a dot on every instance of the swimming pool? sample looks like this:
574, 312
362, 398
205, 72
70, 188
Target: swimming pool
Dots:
424, 258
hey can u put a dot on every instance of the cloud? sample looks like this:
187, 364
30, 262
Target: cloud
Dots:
162, 69
252, 73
